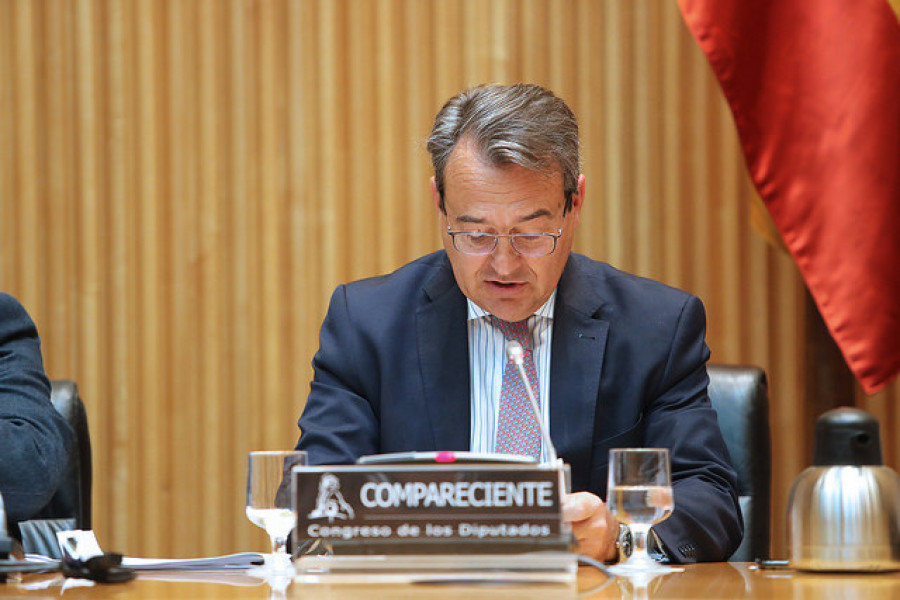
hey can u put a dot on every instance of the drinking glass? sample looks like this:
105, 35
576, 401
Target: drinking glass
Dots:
269, 502
640, 495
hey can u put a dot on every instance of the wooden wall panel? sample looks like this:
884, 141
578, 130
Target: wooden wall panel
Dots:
182, 184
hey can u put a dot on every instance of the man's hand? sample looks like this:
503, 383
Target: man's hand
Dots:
594, 526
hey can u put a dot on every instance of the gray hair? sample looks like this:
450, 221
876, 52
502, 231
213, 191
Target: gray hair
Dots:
522, 124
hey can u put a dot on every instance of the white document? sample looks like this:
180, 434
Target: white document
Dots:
242, 560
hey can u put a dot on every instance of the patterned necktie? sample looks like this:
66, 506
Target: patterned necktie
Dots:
517, 428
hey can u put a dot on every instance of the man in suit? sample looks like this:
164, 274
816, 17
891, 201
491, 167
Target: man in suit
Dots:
415, 360
34, 438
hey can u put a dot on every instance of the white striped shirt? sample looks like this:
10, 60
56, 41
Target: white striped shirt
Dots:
487, 359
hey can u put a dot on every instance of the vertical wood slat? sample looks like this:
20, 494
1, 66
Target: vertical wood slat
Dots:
214, 174
675, 234
387, 43
148, 300
238, 288
182, 184
365, 130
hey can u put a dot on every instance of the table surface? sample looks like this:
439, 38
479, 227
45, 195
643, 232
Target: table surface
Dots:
711, 580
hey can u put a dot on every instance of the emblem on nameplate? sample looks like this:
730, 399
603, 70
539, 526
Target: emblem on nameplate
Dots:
330, 503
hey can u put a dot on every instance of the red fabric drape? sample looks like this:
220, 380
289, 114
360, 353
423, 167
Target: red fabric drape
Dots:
814, 87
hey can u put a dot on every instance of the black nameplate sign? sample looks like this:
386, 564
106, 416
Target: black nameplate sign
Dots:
430, 509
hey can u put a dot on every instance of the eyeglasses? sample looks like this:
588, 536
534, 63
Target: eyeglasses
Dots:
526, 244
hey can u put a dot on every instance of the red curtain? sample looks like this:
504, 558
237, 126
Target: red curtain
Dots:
814, 87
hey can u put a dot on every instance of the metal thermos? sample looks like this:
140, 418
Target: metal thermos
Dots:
844, 511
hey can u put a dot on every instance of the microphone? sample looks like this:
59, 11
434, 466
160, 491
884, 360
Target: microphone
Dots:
516, 354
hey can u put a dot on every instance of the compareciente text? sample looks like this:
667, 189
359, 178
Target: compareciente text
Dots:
459, 494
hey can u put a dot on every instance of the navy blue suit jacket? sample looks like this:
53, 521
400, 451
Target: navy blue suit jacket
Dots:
34, 438
628, 368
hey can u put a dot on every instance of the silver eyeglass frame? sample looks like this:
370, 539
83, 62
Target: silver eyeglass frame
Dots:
512, 237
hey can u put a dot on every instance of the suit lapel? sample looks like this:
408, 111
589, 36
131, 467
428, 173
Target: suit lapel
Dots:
579, 343
443, 348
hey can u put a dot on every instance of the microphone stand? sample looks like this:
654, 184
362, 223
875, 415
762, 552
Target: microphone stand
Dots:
516, 354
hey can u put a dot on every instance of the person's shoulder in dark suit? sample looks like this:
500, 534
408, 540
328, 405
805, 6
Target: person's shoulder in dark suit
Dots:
380, 307
620, 288
415, 274
34, 438
656, 348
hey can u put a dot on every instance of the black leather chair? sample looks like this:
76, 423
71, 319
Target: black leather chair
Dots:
741, 399
70, 506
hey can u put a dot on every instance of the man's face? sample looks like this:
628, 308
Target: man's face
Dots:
505, 199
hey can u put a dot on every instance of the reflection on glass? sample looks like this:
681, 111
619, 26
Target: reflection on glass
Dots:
269, 501
639, 493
